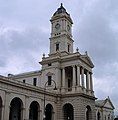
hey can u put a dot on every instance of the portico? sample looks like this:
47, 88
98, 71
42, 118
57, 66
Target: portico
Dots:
78, 76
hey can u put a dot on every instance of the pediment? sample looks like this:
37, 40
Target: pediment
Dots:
108, 104
87, 60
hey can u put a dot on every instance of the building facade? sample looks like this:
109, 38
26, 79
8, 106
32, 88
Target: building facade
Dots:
61, 90
104, 109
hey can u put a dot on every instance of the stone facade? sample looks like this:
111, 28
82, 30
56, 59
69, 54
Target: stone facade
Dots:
31, 95
104, 109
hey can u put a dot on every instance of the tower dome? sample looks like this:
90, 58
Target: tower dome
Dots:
61, 11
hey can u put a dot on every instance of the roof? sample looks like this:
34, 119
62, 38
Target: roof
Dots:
61, 13
99, 103
102, 103
24, 74
61, 9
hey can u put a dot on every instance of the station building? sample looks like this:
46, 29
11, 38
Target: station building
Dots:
61, 90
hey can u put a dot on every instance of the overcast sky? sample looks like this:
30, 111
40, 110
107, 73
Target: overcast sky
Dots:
25, 32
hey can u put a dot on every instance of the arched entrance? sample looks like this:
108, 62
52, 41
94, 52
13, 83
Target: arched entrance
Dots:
98, 116
0, 108
16, 106
68, 112
34, 111
88, 113
49, 112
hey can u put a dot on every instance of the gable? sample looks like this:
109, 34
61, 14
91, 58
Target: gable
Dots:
108, 104
87, 60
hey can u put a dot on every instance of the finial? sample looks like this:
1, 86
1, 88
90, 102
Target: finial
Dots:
61, 4
43, 55
86, 53
77, 49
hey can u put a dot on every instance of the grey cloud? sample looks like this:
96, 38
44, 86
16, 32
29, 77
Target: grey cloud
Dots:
27, 46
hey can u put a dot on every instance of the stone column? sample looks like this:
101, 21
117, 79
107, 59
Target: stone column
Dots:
91, 82
39, 113
27, 107
7, 106
78, 75
74, 76
27, 110
63, 78
82, 77
87, 80
2, 112
23, 113
58, 77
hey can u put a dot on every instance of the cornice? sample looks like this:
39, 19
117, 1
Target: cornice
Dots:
27, 74
77, 95
26, 86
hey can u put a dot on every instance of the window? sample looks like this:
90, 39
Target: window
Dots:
57, 46
49, 80
34, 81
49, 64
68, 48
24, 81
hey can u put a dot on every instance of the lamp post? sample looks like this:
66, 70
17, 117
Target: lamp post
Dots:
55, 88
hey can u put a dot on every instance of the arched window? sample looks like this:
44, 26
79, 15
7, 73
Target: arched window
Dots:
49, 112
88, 113
68, 112
34, 111
98, 116
16, 106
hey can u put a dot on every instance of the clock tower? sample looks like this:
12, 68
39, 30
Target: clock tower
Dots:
61, 32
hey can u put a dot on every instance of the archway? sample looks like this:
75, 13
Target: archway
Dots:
68, 112
16, 106
49, 112
88, 113
34, 111
98, 116
0, 108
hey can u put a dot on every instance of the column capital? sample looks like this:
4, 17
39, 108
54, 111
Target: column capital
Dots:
83, 68
90, 73
62, 67
78, 65
87, 71
72, 65
23, 108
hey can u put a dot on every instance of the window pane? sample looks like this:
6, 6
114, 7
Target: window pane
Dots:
49, 80
24, 81
34, 81
57, 46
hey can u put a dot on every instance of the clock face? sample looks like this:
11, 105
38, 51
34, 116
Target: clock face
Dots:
57, 26
68, 27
